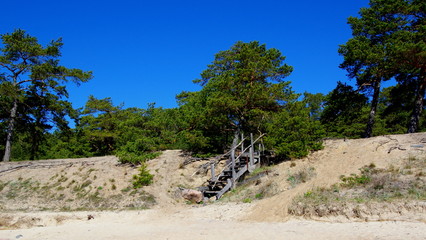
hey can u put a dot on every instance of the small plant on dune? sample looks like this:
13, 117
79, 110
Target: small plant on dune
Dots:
261, 170
356, 180
302, 176
62, 179
3, 185
80, 188
144, 178
259, 196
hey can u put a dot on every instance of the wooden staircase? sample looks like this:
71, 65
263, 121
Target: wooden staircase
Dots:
237, 165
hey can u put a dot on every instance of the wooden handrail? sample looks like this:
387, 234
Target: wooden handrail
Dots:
237, 158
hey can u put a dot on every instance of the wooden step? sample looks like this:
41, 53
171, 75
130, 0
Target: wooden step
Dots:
210, 194
217, 183
224, 177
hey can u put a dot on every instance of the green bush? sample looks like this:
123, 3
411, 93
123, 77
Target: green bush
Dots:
137, 152
293, 134
144, 178
302, 176
135, 159
355, 180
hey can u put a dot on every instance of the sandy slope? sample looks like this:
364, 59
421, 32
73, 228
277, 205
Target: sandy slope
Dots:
172, 218
340, 157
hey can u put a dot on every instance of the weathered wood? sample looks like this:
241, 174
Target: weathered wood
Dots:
234, 143
251, 150
218, 158
247, 148
236, 168
233, 166
241, 171
242, 142
14, 168
37, 164
212, 171
224, 190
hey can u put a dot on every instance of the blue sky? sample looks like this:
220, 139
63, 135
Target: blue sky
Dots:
149, 51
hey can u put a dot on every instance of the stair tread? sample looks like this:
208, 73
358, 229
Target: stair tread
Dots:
209, 192
221, 183
217, 180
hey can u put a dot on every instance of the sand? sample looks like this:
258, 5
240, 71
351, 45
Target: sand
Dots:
204, 223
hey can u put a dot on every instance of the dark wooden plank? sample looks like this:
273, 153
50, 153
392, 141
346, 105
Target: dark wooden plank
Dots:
224, 190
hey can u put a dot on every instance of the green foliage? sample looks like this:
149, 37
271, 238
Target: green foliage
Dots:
133, 134
315, 104
240, 88
65, 145
301, 176
144, 178
292, 133
32, 85
345, 112
355, 180
138, 151
389, 43
99, 125
140, 145
396, 107
251, 96
135, 159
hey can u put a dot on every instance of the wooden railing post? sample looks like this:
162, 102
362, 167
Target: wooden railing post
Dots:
234, 147
251, 150
242, 143
233, 167
212, 170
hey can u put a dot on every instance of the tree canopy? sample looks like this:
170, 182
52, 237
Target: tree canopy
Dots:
388, 42
32, 79
240, 88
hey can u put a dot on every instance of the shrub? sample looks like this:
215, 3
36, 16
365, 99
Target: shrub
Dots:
293, 134
301, 177
135, 159
355, 180
144, 178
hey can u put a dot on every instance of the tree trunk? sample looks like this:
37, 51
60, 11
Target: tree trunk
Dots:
418, 108
10, 128
372, 116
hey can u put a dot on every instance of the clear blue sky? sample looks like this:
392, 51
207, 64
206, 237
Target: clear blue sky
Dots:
149, 51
